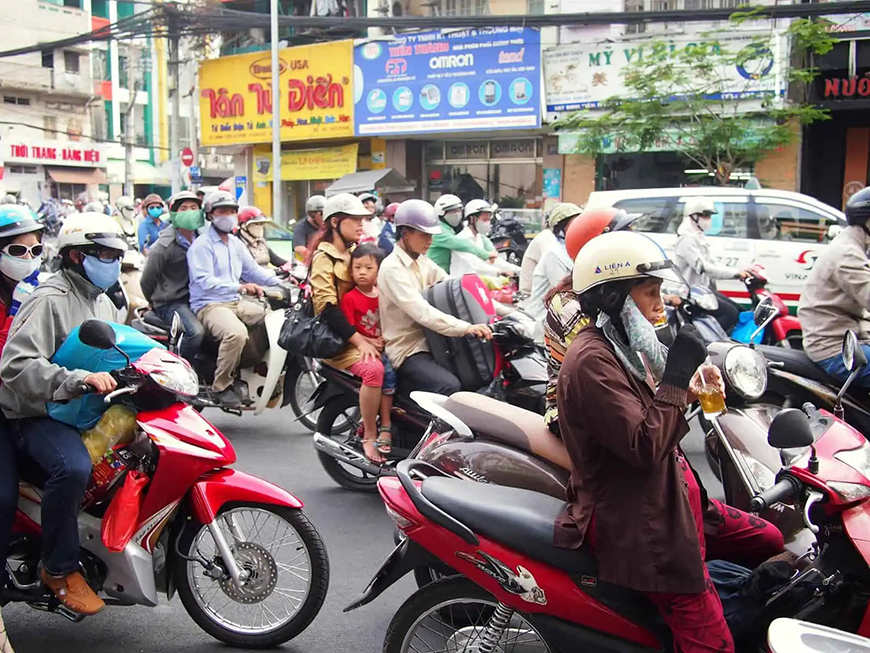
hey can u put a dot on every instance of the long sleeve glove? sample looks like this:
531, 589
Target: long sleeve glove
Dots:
684, 358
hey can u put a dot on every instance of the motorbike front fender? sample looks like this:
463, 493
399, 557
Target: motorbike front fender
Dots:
210, 493
277, 357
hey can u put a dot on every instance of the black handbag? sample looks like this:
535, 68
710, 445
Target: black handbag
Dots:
306, 334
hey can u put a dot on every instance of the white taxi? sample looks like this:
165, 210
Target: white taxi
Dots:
779, 230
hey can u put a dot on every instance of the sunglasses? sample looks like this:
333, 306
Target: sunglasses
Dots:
20, 251
105, 255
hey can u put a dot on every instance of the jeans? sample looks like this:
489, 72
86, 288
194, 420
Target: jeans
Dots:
834, 368
194, 332
58, 450
8, 492
421, 372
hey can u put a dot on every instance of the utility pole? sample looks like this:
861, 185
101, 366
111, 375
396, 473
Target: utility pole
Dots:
130, 119
277, 215
175, 116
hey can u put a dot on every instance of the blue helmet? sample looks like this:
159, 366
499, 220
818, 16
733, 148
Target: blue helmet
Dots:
16, 219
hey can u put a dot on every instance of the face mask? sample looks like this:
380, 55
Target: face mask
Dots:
225, 223
155, 211
18, 268
483, 228
453, 218
705, 223
103, 274
256, 230
192, 219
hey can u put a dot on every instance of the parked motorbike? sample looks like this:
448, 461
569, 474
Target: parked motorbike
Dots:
263, 382
520, 379
250, 567
514, 585
783, 330
509, 238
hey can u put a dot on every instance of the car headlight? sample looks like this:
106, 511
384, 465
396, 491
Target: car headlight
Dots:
858, 459
180, 379
849, 492
746, 371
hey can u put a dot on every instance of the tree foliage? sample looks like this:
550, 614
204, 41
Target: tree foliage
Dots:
684, 97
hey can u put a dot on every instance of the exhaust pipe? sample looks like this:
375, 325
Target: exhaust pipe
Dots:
345, 454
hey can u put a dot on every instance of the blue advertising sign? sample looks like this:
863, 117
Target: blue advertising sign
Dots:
445, 81
195, 175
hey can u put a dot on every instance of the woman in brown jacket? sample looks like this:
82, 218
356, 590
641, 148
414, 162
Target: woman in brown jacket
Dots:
330, 279
632, 495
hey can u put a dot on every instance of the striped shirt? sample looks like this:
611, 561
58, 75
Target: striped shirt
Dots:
563, 322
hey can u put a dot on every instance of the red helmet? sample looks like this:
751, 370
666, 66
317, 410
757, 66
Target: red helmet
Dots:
251, 215
594, 222
390, 211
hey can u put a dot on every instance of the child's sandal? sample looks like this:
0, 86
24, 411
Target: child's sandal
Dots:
384, 445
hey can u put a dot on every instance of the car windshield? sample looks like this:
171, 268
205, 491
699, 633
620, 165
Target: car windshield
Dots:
277, 232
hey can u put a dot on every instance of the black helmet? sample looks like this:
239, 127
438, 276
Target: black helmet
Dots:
858, 208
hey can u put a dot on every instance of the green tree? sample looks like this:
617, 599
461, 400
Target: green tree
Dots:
685, 98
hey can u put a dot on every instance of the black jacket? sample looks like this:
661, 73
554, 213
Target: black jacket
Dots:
166, 278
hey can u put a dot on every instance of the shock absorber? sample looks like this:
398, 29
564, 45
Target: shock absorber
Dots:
495, 628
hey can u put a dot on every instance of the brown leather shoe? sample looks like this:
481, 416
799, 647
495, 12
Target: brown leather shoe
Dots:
74, 593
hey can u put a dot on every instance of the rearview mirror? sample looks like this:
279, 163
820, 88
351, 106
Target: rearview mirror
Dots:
97, 334
790, 429
176, 328
853, 354
764, 311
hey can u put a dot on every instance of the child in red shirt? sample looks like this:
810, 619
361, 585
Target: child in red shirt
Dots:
360, 307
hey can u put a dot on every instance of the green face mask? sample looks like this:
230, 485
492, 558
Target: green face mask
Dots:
191, 219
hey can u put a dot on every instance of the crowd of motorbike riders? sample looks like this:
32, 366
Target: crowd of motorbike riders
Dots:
616, 396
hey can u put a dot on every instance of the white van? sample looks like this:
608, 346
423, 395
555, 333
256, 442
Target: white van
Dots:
779, 230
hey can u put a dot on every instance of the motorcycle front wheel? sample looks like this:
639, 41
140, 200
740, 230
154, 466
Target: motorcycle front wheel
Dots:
453, 614
340, 420
287, 576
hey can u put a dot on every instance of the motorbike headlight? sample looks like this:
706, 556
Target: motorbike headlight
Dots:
764, 478
746, 372
849, 492
705, 300
180, 379
858, 459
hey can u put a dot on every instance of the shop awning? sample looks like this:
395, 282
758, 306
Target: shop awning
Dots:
386, 181
86, 176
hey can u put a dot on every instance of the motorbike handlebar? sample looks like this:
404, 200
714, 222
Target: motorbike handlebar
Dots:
84, 389
784, 488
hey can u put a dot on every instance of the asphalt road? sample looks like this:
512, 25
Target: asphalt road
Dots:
355, 527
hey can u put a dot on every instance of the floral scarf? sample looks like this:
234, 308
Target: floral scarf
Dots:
642, 342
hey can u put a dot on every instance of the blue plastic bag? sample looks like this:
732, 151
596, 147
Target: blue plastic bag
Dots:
83, 412
745, 328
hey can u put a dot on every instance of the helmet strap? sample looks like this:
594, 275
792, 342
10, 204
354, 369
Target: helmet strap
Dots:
866, 230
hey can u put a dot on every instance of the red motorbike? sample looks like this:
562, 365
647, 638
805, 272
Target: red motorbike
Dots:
785, 329
517, 592
249, 566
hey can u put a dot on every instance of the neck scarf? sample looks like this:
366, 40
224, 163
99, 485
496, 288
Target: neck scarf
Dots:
642, 340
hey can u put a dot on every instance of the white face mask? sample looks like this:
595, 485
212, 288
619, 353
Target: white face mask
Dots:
453, 218
484, 227
256, 230
704, 223
18, 268
225, 223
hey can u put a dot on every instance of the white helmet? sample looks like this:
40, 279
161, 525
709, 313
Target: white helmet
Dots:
620, 255
477, 206
699, 205
315, 203
124, 202
89, 230
347, 204
448, 204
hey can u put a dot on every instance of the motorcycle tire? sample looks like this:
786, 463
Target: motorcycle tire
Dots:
314, 546
346, 408
299, 395
438, 597
429, 574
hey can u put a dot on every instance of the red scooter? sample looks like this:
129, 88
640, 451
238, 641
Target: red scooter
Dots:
518, 592
785, 329
249, 566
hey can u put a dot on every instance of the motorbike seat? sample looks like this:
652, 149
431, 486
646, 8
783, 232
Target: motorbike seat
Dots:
509, 424
152, 319
796, 362
520, 519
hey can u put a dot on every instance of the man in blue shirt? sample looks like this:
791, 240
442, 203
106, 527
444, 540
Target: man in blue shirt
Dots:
221, 270
152, 223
